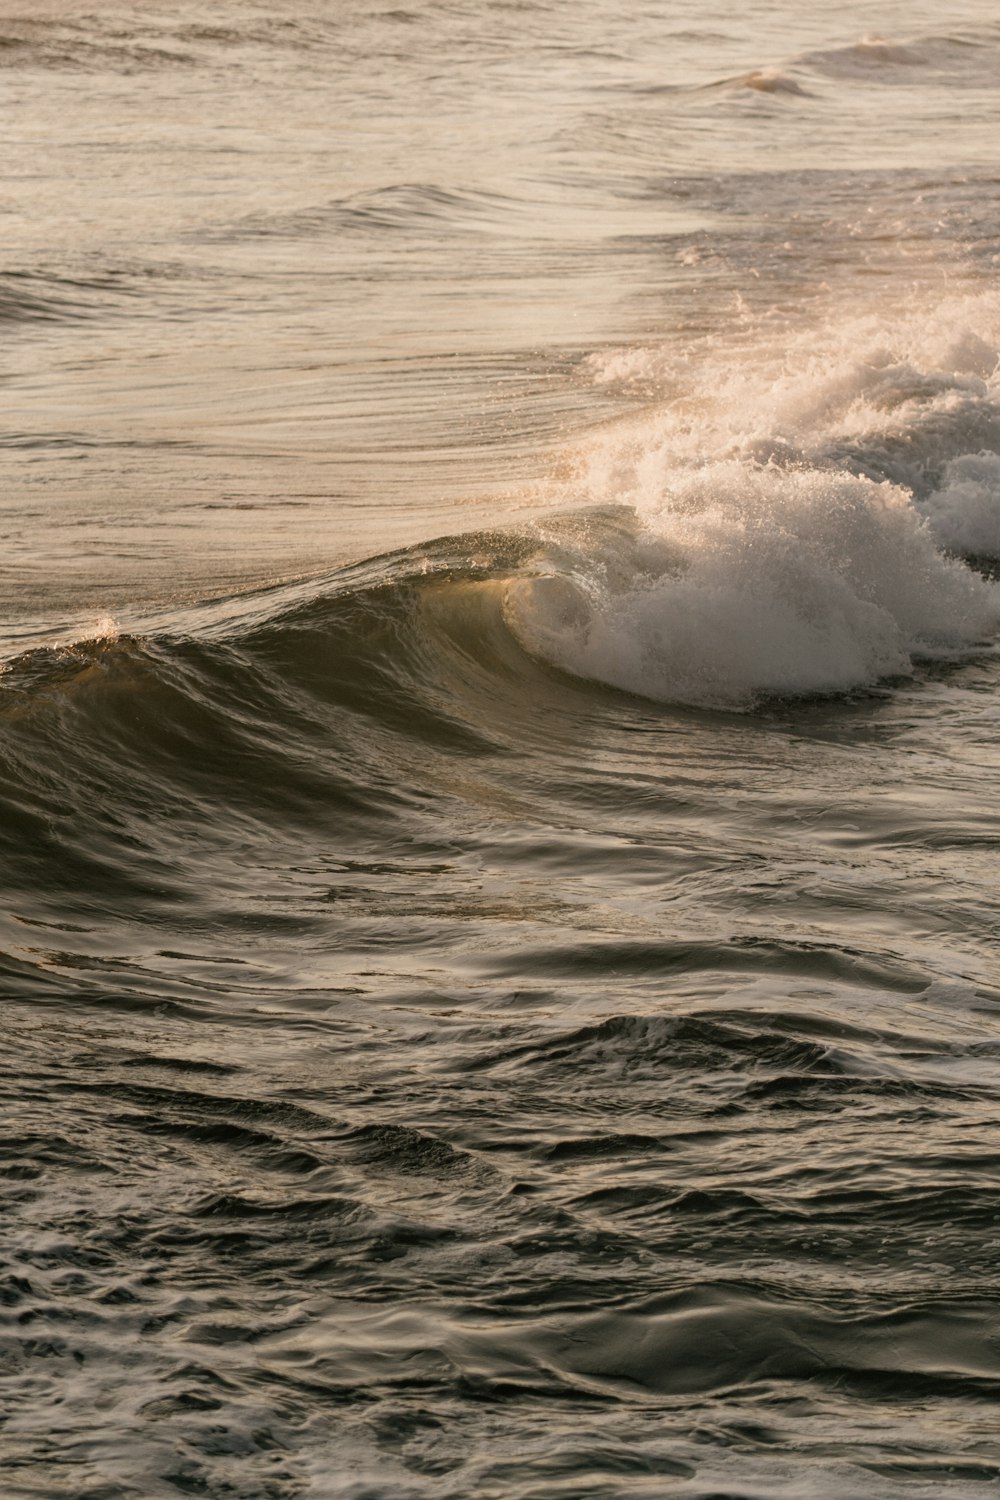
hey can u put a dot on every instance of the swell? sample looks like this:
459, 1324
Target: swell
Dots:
137, 766
276, 766
963, 58
402, 208
51, 297
336, 701
263, 796
124, 41
345, 700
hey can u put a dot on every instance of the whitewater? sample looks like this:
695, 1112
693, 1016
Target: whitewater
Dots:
498, 715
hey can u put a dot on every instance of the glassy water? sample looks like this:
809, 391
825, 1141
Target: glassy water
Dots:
499, 725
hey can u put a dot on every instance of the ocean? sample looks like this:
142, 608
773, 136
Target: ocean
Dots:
499, 707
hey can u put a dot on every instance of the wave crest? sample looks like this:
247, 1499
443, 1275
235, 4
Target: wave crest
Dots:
751, 583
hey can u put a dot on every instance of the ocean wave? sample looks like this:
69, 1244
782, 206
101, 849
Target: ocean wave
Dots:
344, 700
335, 707
751, 583
413, 208
960, 59
867, 53
88, 43
128, 42
724, 1336
140, 767
48, 296
787, 516
964, 57
798, 507
763, 81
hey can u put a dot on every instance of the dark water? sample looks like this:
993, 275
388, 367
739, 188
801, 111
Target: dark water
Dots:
499, 810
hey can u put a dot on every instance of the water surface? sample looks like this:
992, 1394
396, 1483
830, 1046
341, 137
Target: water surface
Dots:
499, 751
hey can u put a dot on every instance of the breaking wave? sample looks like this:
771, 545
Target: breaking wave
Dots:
805, 512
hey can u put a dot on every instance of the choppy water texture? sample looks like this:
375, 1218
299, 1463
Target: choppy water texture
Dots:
500, 762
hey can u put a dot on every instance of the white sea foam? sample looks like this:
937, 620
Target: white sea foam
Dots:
796, 506
964, 510
105, 630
